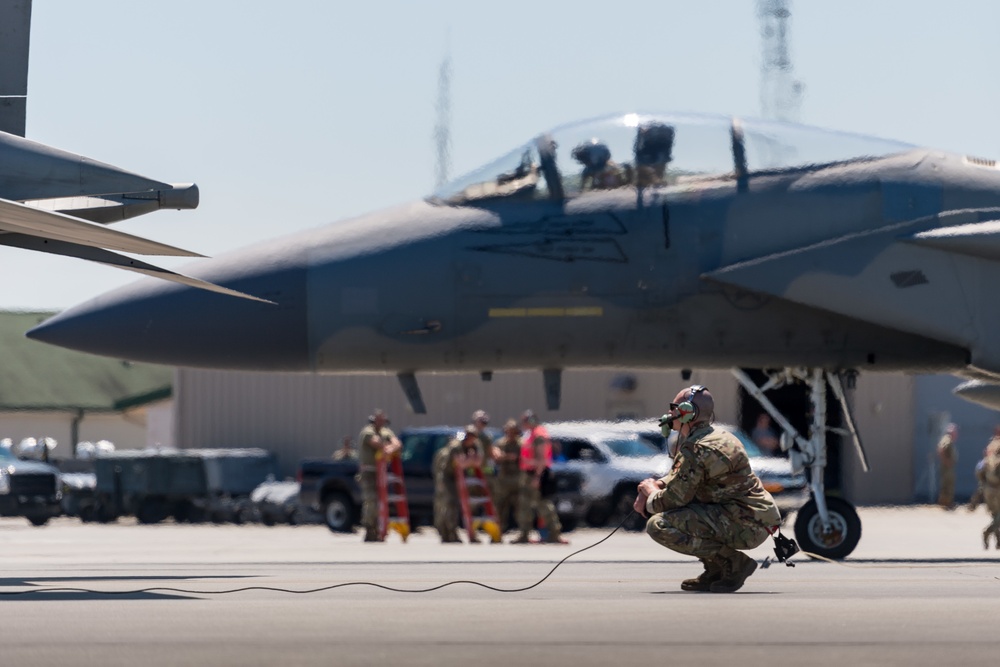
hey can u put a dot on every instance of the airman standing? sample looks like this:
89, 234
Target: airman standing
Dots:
480, 419
445, 496
988, 475
377, 441
947, 455
460, 453
508, 484
536, 458
346, 451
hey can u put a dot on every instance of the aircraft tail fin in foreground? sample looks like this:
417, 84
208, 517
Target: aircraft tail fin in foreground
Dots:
21, 219
15, 24
46, 231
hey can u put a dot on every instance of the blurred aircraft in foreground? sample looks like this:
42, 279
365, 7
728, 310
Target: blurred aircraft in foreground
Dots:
58, 202
634, 240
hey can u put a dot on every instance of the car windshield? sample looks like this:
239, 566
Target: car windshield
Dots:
653, 150
631, 448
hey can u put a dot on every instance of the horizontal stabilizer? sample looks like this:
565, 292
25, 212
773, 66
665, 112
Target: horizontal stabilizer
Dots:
20, 219
102, 256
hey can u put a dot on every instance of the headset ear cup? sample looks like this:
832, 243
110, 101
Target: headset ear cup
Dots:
688, 412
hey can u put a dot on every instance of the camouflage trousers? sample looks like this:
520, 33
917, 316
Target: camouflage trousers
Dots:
704, 531
946, 495
446, 511
531, 501
369, 504
992, 497
505, 499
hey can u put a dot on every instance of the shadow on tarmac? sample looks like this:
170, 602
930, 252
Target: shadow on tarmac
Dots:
53, 589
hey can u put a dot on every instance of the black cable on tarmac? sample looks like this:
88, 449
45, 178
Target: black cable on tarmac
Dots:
165, 589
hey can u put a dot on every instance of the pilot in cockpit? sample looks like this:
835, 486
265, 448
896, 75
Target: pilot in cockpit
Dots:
654, 145
600, 172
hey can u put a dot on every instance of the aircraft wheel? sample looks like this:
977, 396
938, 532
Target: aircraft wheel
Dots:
845, 530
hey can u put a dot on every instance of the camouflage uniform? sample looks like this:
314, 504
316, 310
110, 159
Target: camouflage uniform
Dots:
531, 501
712, 505
508, 484
607, 177
948, 456
445, 492
489, 465
988, 474
366, 478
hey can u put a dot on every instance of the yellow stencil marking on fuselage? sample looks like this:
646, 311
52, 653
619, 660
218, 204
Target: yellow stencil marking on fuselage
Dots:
584, 311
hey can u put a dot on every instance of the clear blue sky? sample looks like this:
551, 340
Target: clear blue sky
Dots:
296, 114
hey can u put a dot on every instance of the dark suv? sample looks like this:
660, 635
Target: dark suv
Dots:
29, 489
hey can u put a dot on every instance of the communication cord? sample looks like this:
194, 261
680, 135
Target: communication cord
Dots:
166, 589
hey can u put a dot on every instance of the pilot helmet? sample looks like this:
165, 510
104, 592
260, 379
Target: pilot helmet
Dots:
654, 143
592, 154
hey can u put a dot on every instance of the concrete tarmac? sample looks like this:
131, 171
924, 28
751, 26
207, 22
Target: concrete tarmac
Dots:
920, 589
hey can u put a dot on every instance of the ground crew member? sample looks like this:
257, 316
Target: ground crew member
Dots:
508, 484
445, 497
481, 420
460, 453
536, 458
988, 475
711, 504
377, 441
947, 455
346, 451
992, 446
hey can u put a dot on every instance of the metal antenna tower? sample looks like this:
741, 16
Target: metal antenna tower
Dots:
442, 127
780, 93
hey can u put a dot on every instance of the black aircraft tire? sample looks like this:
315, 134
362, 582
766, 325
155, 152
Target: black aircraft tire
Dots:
846, 529
338, 512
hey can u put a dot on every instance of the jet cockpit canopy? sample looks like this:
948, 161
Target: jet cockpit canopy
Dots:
653, 150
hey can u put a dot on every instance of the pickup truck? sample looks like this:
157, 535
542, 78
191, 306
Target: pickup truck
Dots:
329, 486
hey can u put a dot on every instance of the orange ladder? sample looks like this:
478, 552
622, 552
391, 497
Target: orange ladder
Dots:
393, 510
488, 522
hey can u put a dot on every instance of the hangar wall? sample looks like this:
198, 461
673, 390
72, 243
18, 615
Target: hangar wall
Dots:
301, 416
883, 408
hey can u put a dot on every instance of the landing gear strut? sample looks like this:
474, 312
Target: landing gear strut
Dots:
825, 526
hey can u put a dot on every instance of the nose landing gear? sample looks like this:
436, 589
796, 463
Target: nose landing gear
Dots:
826, 526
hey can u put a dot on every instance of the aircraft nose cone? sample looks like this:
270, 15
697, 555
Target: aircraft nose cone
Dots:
164, 323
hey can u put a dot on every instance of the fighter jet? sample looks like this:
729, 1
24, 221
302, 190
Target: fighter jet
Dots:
633, 240
50, 199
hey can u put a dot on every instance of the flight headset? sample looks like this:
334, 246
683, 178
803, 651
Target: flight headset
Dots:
686, 412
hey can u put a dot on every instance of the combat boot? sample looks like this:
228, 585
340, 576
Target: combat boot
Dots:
704, 581
736, 569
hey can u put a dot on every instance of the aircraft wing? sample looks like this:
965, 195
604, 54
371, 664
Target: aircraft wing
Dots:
935, 277
20, 219
102, 256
